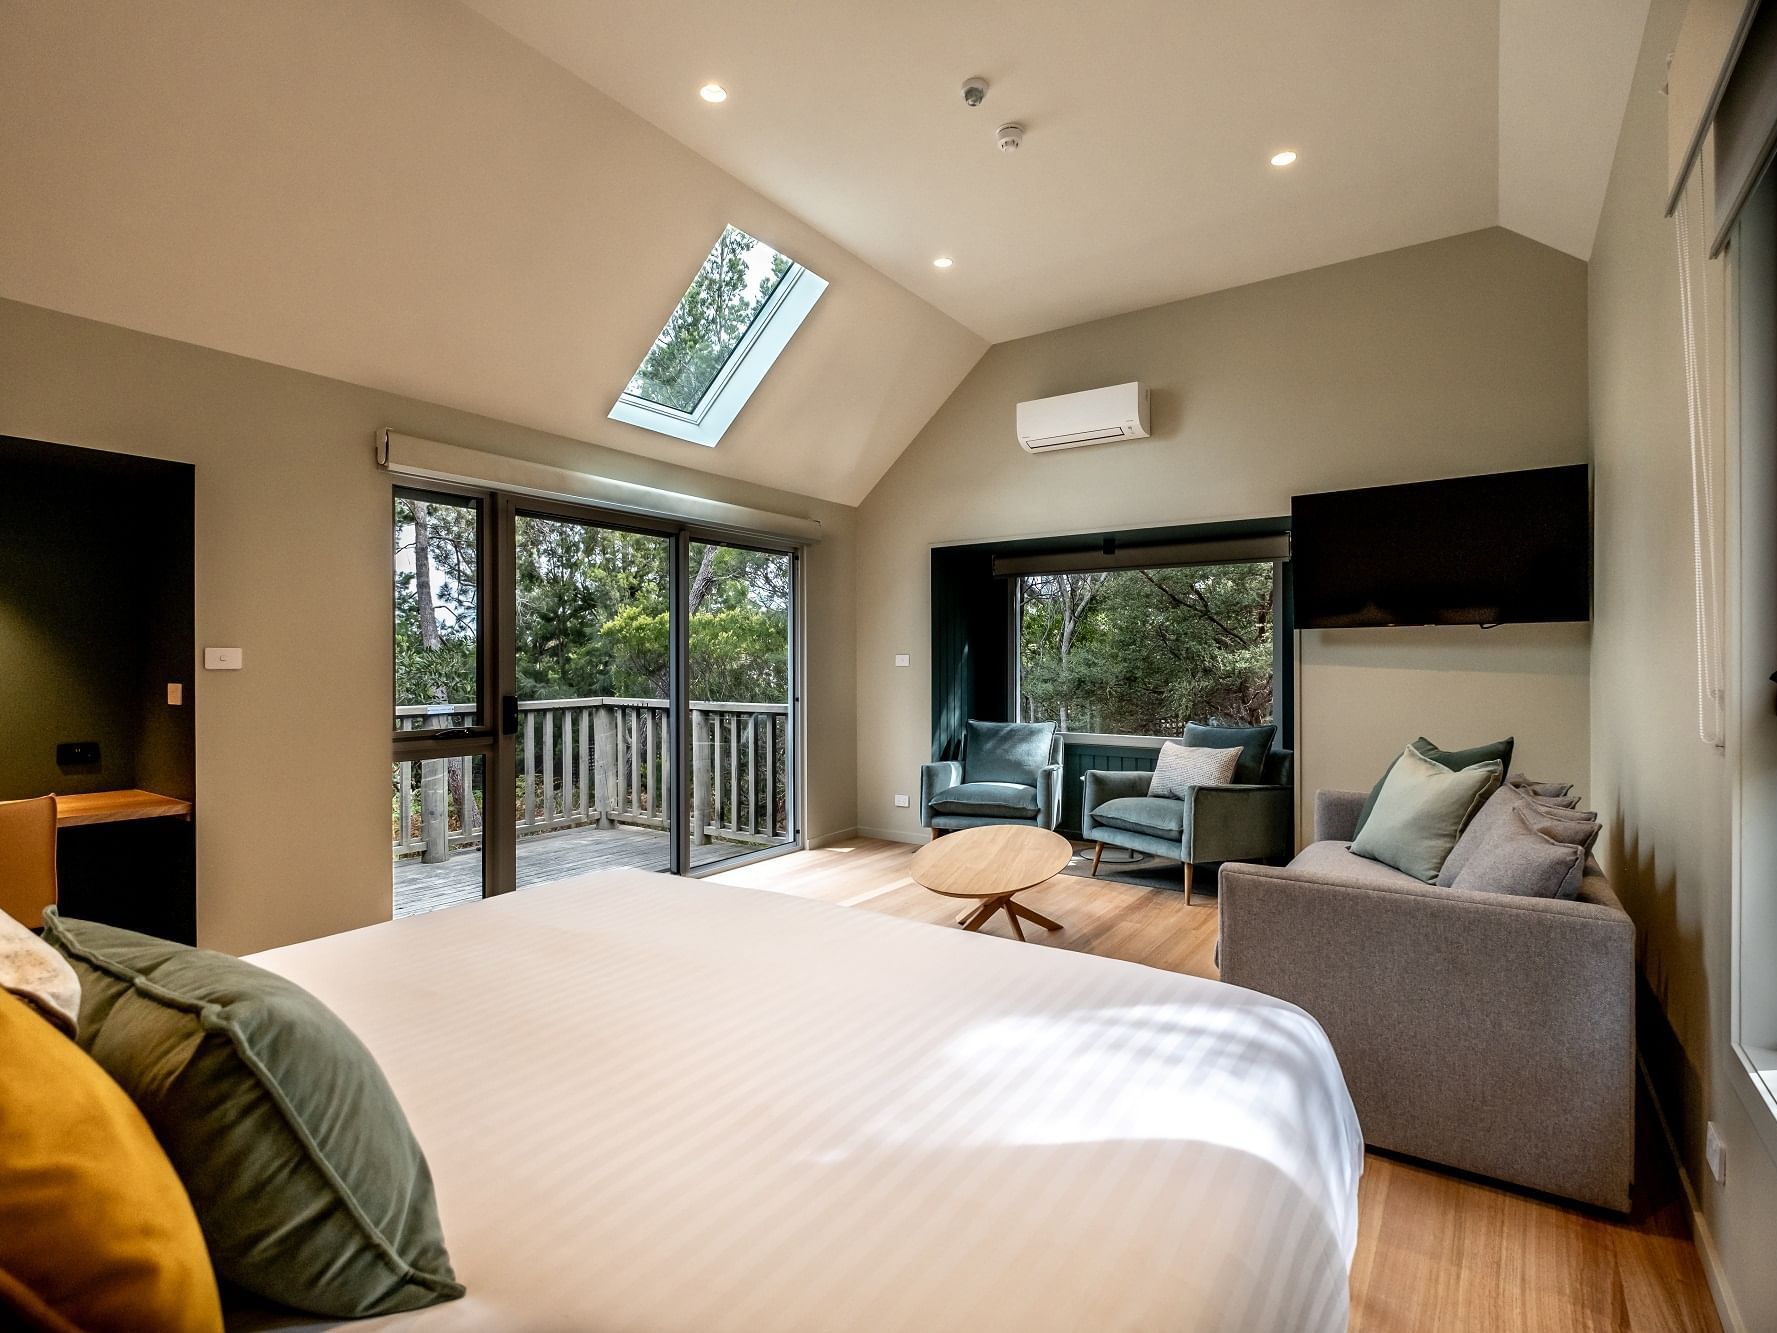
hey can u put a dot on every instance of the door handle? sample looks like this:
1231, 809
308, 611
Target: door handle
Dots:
509, 715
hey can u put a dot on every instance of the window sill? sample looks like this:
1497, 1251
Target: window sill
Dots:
1099, 739
1754, 1076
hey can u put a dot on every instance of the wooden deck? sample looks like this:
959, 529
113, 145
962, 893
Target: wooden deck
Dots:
544, 859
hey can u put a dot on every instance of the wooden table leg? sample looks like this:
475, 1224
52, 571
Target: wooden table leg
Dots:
978, 918
1034, 917
1012, 918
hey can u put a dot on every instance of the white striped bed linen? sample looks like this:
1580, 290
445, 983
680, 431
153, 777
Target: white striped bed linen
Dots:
663, 1104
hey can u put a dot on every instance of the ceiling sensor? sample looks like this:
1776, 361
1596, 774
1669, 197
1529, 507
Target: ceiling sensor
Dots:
974, 91
1010, 137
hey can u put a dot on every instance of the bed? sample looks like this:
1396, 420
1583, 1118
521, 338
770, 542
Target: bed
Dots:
665, 1104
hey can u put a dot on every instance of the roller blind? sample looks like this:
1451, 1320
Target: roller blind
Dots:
1214, 551
430, 460
1745, 125
1708, 42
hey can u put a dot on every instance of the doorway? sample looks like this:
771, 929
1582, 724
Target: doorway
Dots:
630, 683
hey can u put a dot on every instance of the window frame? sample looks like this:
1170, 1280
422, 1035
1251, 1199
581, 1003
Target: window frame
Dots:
751, 359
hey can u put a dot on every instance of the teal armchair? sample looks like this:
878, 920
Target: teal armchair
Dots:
1252, 821
1010, 773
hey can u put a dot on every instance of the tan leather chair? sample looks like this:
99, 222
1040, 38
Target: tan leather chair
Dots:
28, 859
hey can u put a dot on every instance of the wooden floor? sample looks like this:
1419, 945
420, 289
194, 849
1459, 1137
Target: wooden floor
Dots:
1436, 1251
544, 858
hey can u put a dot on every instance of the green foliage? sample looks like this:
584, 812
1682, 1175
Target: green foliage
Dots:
705, 326
1142, 652
443, 671
591, 614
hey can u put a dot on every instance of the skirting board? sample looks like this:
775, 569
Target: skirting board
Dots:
1725, 1307
896, 835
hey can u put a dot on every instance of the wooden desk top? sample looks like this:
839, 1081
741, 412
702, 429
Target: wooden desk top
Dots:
990, 860
111, 807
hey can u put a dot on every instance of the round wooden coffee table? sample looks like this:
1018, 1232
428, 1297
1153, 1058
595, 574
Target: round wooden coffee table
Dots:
992, 863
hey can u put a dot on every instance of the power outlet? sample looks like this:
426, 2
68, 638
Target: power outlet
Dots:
901, 801
1715, 1150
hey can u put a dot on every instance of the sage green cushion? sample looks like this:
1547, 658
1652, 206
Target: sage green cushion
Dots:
1003, 800
1157, 816
1006, 751
1421, 812
309, 1186
1254, 743
1451, 759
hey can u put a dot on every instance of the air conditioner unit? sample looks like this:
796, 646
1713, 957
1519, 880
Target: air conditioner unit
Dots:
1119, 412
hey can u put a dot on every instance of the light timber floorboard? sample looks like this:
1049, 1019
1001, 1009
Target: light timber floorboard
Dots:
1436, 1250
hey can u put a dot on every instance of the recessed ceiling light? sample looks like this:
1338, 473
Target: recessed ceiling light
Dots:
1283, 159
943, 261
713, 92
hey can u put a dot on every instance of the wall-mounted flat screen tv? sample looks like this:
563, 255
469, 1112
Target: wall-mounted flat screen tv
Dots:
1512, 546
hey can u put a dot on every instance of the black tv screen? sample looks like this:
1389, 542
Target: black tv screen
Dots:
1512, 546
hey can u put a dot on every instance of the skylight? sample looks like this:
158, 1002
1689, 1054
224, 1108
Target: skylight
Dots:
736, 317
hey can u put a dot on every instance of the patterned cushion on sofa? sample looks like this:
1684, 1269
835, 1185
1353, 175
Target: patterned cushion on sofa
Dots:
1183, 766
1000, 800
1156, 816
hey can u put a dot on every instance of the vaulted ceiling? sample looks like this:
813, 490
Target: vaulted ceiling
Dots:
495, 210
1145, 173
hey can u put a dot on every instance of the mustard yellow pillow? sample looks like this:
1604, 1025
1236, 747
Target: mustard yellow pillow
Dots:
94, 1224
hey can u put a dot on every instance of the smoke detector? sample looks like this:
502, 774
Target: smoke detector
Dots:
1010, 137
974, 91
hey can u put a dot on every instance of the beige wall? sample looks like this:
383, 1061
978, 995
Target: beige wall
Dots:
402, 194
1465, 355
1663, 794
293, 567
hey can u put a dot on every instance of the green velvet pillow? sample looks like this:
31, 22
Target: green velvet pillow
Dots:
1450, 759
1422, 811
309, 1186
1254, 743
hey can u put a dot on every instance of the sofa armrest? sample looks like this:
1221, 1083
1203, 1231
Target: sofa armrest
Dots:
934, 778
1489, 1032
1335, 814
1238, 822
1049, 796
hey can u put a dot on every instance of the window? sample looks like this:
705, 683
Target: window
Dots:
739, 313
437, 612
1140, 652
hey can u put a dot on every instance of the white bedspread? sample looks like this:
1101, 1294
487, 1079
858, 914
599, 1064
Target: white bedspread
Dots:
660, 1104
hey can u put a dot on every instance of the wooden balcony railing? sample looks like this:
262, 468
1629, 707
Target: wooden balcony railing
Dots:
603, 762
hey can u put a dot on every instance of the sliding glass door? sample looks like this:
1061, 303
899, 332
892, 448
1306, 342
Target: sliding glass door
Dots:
579, 691
742, 738
594, 688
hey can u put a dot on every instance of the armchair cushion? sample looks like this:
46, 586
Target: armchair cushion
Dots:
1252, 742
1181, 767
1156, 816
1008, 800
1006, 751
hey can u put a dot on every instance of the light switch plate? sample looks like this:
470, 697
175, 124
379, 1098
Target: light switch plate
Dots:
901, 659
175, 693
222, 659
1715, 1149
901, 801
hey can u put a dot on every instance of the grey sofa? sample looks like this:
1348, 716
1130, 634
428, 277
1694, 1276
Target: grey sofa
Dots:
1236, 822
1010, 773
1486, 1031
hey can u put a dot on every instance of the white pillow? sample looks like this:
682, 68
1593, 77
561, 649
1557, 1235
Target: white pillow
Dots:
1184, 766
